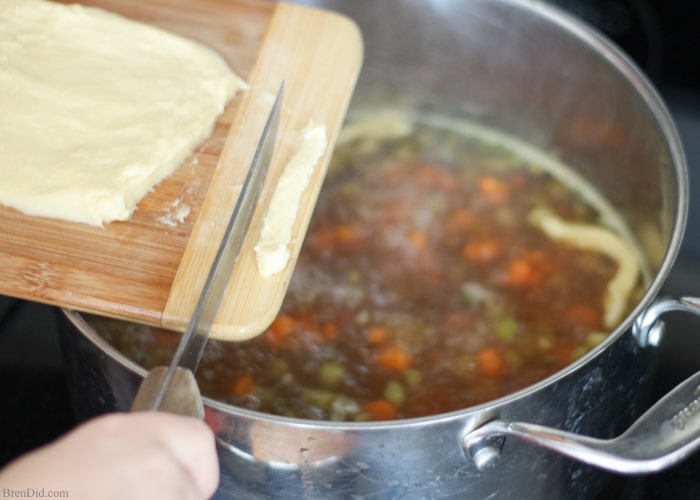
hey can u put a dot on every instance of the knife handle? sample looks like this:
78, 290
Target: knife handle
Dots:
182, 396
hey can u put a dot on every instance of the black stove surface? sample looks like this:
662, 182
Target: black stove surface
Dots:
34, 402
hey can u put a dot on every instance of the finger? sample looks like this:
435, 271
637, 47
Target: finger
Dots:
193, 445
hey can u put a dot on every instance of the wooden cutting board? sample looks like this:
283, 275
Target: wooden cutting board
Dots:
151, 268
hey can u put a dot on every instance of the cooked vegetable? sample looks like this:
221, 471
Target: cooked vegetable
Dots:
438, 272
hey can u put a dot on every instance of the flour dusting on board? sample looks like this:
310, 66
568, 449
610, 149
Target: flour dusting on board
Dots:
177, 213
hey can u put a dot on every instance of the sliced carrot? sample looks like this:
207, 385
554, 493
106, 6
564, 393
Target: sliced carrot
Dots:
283, 324
418, 239
329, 330
483, 250
377, 335
380, 409
395, 358
346, 235
243, 385
521, 272
493, 189
490, 362
279, 329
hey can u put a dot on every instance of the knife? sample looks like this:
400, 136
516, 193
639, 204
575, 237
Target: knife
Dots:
174, 388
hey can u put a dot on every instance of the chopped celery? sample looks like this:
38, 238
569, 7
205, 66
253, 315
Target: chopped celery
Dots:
318, 397
394, 393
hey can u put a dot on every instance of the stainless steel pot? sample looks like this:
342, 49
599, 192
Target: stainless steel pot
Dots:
533, 72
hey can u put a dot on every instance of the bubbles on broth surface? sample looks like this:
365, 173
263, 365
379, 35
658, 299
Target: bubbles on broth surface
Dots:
423, 285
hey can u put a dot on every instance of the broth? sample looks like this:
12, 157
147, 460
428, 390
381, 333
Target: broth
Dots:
423, 286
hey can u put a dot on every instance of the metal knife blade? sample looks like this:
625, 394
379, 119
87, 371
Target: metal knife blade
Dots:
155, 390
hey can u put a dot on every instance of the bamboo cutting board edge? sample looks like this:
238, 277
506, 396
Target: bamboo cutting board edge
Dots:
252, 301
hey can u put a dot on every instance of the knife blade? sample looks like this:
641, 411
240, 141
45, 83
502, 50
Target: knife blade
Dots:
174, 388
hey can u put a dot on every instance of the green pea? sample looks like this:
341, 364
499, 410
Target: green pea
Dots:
331, 373
412, 378
506, 328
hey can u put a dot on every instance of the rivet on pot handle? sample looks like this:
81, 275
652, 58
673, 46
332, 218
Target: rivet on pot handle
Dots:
666, 434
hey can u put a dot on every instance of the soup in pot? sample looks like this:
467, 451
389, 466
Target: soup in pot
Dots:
440, 270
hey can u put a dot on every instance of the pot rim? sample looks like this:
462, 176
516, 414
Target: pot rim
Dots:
639, 82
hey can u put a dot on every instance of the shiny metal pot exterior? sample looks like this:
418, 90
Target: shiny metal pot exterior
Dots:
532, 72
264, 456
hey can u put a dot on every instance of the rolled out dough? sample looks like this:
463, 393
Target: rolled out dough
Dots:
96, 109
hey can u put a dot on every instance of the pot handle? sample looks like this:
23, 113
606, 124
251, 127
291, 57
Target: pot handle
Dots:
663, 436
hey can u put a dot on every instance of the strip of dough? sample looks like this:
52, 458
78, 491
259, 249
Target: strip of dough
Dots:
272, 251
597, 239
97, 109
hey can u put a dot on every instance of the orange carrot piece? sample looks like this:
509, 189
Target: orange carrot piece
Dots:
380, 409
347, 235
377, 335
482, 250
280, 327
395, 358
243, 385
521, 272
493, 189
283, 324
418, 239
490, 362
329, 330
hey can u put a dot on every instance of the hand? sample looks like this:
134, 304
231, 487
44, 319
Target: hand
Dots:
123, 456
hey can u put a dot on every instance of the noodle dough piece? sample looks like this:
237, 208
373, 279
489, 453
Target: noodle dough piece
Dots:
272, 251
589, 237
381, 125
97, 109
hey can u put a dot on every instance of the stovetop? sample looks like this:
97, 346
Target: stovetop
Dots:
34, 403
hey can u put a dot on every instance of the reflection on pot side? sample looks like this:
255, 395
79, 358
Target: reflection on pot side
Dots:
680, 419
